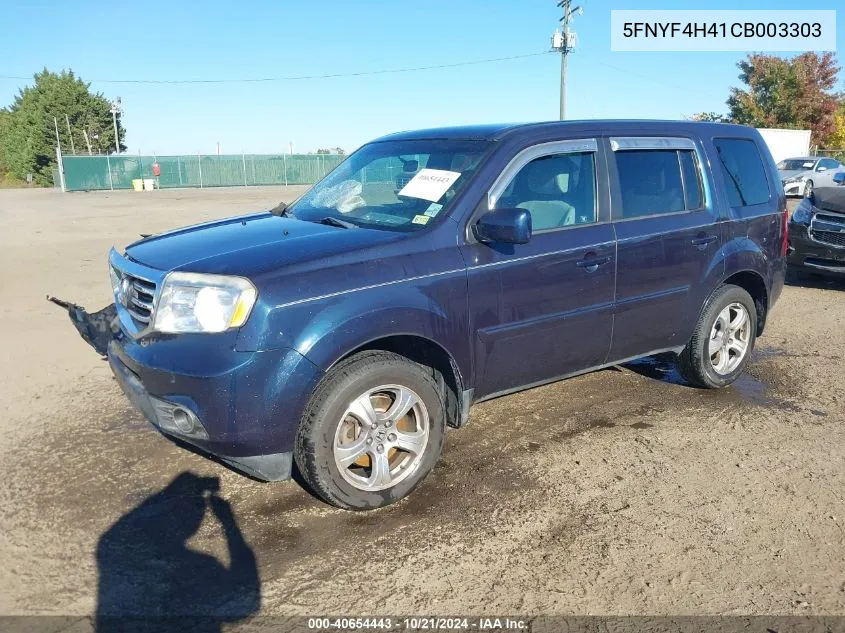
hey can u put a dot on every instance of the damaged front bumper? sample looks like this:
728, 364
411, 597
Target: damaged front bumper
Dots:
97, 329
241, 408
181, 423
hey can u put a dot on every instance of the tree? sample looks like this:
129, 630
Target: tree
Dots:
5, 123
837, 139
28, 144
792, 93
715, 117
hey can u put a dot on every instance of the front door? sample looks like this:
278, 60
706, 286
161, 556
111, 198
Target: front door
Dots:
545, 309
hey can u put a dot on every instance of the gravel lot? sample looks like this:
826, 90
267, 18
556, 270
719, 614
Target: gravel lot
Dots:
619, 492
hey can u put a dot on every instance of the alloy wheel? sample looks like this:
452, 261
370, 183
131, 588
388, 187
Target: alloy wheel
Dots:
729, 338
381, 437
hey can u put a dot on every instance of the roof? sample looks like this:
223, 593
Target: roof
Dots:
498, 131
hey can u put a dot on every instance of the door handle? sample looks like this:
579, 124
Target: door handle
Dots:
702, 241
591, 264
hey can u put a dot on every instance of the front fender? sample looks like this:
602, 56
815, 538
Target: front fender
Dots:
327, 329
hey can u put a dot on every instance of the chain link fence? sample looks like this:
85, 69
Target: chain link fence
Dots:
827, 152
91, 173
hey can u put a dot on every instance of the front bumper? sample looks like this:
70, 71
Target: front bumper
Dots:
794, 188
811, 255
241, 407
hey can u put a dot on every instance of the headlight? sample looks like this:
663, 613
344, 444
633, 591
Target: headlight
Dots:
115, 280
793, 179
803, 212
192, 302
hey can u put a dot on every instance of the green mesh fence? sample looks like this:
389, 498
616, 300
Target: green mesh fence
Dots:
88, 173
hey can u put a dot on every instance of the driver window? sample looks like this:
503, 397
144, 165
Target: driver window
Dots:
558, 190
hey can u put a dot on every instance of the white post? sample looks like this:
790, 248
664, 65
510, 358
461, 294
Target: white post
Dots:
199, 162
108, 164
70, 134
179, 168
285, 160
58, 140
87, 141
243, 158
61, 168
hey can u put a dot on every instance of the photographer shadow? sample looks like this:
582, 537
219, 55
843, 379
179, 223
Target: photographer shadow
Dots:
150, 580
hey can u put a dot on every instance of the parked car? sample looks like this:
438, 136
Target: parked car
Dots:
801, 175
817, 230
346, 336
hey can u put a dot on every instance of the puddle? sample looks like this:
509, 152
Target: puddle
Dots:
751, 390
762, 353
754, 391
657, 368
580, 426
641, 425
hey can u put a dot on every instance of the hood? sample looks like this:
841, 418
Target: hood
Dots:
249, 245
791, 173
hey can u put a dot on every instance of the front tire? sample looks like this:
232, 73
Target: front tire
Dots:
722, 341
372, 430
808, 189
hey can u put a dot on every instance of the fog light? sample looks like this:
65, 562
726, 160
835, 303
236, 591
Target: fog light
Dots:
182, 421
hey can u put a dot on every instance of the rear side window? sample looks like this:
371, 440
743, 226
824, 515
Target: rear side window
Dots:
655, 181
743, 171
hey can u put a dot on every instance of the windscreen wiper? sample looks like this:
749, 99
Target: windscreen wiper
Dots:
332, 221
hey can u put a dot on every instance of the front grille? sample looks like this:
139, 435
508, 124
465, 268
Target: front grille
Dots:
139, 299
135, 294
829, 237
828, 228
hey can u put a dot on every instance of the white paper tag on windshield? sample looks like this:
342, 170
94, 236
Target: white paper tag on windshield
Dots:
430, 184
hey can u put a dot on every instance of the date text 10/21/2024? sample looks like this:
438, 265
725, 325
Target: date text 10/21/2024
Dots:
418, 623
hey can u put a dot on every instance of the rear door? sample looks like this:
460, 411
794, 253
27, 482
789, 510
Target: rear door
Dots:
667, 238
545, 309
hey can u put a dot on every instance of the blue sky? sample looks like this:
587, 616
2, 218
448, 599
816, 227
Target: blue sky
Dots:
216, 39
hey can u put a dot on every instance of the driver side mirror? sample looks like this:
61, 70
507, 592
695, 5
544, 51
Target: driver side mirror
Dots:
839, 177
821, 169
507, 226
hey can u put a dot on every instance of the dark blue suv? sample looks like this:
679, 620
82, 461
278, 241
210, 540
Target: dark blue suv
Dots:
434, 269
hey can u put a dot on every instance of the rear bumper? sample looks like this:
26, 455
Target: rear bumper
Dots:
814, 256
240, 407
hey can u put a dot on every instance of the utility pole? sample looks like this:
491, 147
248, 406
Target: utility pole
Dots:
116, 108
564, 40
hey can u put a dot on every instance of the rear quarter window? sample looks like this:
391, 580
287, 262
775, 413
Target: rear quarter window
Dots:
743, 171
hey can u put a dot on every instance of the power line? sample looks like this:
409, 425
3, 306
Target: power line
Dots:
653, 79
302, 77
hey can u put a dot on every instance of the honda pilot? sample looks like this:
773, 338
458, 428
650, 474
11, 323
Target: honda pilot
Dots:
434, 269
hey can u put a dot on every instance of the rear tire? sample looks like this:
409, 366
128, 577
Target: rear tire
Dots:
723, 339
371, 432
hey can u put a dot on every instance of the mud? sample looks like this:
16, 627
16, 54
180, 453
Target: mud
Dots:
624, 491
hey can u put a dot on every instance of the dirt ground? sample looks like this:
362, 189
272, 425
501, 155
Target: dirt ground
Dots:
619, 492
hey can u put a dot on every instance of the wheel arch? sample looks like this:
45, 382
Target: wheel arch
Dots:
755, 285
427, 352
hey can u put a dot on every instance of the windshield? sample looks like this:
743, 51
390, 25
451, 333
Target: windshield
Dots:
394, 185
796, 164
